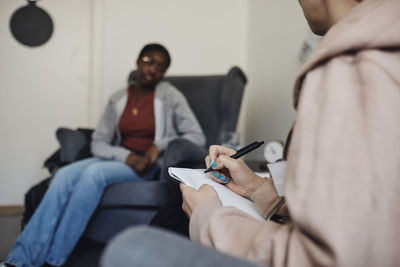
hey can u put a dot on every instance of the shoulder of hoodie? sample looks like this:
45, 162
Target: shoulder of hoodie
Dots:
367, 34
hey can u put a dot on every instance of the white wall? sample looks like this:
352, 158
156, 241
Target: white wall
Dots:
205, 36
40, 89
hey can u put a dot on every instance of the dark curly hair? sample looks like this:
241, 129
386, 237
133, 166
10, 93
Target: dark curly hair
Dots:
155, 47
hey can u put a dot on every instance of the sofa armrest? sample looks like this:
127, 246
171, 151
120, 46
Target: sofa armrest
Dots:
123, 205
145, 194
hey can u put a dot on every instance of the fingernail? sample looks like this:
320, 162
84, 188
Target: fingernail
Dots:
227, 180
209, 162
215, 174
214, 164
221, 178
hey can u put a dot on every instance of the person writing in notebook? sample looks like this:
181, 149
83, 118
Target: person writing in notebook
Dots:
342, 179
342, 189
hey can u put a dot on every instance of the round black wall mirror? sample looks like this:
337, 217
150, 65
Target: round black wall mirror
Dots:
31, 25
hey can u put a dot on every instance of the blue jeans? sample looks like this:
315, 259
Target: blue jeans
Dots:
62, 216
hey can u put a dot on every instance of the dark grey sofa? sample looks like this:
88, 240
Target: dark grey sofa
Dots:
215, 100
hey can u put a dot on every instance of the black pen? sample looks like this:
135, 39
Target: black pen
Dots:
241, 152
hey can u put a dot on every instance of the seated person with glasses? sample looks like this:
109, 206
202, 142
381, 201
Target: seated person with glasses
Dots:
137, 125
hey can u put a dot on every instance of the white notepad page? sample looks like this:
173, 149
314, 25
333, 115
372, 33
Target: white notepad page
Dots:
196, 178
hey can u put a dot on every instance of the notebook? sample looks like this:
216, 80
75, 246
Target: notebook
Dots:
196, 178
278, 171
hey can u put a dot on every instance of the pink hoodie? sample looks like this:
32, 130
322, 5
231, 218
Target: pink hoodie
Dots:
343, 175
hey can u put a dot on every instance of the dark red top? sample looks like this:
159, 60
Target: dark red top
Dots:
137, 122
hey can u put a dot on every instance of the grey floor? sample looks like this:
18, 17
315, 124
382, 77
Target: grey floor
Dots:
10, 226
86, 254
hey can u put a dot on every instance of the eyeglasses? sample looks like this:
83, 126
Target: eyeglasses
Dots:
151, 62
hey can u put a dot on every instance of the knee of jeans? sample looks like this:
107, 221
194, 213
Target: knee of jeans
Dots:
93, 175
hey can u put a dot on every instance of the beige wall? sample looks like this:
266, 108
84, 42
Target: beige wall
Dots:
276, 31
67, 81
40, 89
203, 37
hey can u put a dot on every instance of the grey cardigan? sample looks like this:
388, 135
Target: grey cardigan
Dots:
173, 119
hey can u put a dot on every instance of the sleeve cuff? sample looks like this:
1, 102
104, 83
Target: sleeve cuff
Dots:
266, 198
122, 155
161, 145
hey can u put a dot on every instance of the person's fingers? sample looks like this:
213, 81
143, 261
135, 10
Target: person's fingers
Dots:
155, 153
222, 167
154, 157
140, 166
219, 177
146, 160
192, 197
186, 190
229, 163
138, 169
207, 160
151, 154
215, 150
206, 188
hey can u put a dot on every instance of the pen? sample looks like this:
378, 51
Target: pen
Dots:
241, 152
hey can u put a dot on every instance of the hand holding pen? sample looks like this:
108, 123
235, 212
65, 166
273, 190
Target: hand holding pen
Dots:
232, 171
241, 152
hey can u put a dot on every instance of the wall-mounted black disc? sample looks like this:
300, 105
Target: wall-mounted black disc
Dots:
31, 25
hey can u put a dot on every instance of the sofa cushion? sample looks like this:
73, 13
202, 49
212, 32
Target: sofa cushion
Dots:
74, 144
